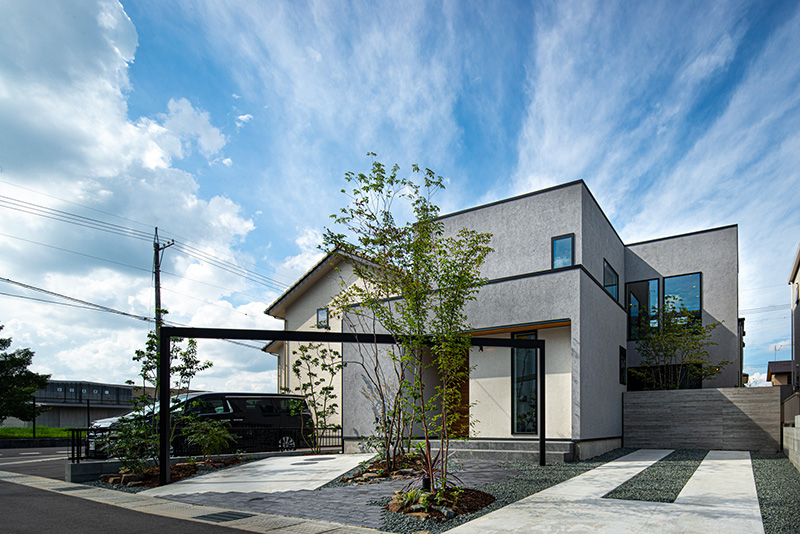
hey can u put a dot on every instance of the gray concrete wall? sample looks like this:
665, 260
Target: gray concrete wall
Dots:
715, 255
791, 442
600, 242
522, 228
726, 419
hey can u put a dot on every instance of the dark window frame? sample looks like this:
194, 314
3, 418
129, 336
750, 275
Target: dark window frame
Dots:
616, 276
514, 432
326, 323
659, 300
553, 250
664, 290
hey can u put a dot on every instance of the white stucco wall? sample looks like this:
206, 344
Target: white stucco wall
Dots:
490, 388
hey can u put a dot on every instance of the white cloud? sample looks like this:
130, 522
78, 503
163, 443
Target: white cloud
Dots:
308, 241
241, 120
67, 134
758, 380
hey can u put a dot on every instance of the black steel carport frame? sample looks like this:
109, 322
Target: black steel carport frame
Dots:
169, 332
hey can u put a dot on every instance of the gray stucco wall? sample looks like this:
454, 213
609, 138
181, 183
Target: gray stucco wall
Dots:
602, 332
522, 228
713, 253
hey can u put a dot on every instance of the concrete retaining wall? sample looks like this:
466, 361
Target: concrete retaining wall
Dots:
791, 442
725, 418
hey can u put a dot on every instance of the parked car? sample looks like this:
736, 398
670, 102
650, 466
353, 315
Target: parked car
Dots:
262, 421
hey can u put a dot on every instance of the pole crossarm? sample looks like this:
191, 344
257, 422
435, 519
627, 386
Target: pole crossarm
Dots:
167, 333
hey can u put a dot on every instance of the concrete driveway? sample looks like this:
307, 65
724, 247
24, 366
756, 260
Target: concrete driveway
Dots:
269, 475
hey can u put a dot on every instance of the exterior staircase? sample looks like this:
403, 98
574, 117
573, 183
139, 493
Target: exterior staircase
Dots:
509, 450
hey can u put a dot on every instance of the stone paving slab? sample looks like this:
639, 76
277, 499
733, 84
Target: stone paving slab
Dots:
585, 511
269, 475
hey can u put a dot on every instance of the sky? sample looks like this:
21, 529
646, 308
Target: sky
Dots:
230, 126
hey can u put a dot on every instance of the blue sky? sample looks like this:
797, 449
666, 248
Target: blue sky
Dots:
229, 125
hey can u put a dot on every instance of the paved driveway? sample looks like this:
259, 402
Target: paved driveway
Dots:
270, 475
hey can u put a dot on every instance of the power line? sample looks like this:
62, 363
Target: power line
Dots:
166, 233
68, 304
87, 222
765, 309
98, 307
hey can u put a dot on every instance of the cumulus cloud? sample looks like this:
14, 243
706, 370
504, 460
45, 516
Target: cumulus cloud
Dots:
758, 380
241, 120
68, 143
308, 242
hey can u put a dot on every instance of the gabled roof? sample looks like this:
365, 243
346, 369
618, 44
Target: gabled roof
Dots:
796, 266
278, 308
324, 266
777, 368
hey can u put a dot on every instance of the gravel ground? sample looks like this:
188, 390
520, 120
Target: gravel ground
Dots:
662, 481
778, 485
531, 478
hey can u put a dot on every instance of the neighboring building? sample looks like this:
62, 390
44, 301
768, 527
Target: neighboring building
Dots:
559, 273
780, 373
794, 281
77, 403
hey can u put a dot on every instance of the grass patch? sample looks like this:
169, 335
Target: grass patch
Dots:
41, 432
778, 485
662, 481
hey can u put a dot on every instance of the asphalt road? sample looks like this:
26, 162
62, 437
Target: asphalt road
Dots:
29, 510
48, 462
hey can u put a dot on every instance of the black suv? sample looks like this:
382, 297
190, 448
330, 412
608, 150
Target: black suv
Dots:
262, 421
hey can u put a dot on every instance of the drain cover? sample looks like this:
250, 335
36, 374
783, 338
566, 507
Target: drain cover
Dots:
221, 517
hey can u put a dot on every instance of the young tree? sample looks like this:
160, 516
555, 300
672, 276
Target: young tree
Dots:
17, 383
414, 283
316, 368
674, 351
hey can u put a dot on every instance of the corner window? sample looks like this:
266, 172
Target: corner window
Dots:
684, 291
610, 280
642, 298
322, 318
563, 251
523, 383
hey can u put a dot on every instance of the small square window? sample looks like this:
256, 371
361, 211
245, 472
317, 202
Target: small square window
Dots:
322, 318
94, 392
107, 392
59, 389
83, 391
72, 390
563, 251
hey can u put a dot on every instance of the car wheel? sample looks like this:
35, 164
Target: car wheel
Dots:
286, 443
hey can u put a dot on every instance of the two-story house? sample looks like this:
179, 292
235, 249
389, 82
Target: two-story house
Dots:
561, 273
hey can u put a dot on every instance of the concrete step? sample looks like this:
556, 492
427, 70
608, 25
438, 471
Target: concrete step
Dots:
510, 450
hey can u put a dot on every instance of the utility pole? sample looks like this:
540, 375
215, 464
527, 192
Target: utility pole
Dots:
158, 250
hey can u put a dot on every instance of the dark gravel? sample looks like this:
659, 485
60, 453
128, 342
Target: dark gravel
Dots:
778, 485
530, 478
662, 481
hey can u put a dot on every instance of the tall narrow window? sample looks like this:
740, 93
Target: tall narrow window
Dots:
322, 318
642, 306
610, 280
563, 251
684, 291
523, 376
623, 366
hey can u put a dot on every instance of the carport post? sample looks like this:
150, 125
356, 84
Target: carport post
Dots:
542, 439
163, 411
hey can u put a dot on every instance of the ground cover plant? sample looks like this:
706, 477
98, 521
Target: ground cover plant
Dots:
41, 432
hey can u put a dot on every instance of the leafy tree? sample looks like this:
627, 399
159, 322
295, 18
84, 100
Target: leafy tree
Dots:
210, 435
414, 283
316, 367
17, 383
674, 351
135, 437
